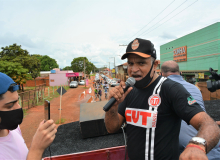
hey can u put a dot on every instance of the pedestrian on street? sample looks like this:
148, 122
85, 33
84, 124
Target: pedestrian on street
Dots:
100, 94
96, 92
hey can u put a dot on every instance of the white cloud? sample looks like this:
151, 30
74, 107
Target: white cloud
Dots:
66, 29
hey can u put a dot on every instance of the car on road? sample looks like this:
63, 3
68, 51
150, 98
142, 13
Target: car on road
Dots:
114, 83
109, 81
82, 82
73, 84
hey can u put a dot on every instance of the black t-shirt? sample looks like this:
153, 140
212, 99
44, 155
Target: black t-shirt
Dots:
175, 105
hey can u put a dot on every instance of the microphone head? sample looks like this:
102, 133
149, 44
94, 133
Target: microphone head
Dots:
131, 81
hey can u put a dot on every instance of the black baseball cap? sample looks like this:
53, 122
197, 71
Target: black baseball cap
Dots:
141, 47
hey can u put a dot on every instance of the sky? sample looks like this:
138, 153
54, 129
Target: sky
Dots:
96, 29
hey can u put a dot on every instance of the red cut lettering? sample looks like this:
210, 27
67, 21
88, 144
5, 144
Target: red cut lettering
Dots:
144, 117
135, 119
128, 117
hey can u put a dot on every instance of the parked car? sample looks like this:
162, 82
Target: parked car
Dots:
109, 81
118, 80
82, 82
73, 84
114, 83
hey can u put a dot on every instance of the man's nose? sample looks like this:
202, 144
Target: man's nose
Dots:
17, 105
135, 68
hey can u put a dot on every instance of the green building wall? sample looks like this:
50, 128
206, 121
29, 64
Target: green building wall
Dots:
203, 49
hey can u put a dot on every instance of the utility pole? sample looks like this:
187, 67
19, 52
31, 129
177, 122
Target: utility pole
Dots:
84, 73
109, 69
114, 65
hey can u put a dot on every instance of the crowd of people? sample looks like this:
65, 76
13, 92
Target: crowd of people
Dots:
100, 86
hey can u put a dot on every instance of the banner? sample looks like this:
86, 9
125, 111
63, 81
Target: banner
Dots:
180, 54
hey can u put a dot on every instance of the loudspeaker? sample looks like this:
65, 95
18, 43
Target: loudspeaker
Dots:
92, 119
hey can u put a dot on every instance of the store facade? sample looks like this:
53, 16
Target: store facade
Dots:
195, 53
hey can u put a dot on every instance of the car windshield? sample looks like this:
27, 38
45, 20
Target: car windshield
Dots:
73, 82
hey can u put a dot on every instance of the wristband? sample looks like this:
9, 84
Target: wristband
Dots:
196, 146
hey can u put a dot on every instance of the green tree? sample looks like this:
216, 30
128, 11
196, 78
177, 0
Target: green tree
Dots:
77, 65
14, 53
48, 63
15, 71
67, 68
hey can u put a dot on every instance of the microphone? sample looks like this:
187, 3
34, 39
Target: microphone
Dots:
130, 82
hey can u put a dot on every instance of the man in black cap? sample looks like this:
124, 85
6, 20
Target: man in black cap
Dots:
153, 109
12, 145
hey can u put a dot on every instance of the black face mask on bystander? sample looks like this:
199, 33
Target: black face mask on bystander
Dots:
145, 81
11, 119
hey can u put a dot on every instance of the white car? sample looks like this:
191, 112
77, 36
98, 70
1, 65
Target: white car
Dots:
82, 82
73, 84
109, 81
114, 83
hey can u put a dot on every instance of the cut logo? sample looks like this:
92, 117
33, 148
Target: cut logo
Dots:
154, 100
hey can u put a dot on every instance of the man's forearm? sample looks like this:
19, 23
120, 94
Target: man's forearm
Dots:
210, 131
112, 120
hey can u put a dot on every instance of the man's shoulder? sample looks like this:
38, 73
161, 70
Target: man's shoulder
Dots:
170, 83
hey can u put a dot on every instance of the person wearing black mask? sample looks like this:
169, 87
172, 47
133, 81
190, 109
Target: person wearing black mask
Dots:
12, 145
153, 109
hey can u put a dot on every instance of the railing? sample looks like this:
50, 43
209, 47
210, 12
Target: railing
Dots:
31, 98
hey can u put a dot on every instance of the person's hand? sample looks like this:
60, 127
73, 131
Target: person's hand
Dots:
44, 136
192, 153
118, 93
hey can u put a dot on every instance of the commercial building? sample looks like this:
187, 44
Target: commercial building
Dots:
195, 53
58, 77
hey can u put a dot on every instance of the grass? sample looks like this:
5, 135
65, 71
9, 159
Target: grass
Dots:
25, 112
62, 121
56, 94
46, 97
86, 87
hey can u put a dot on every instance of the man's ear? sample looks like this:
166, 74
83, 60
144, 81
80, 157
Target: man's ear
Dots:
156, 64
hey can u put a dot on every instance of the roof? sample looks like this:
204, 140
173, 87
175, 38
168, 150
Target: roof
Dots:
124, 64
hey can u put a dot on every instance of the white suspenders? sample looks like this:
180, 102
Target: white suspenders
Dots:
152, 135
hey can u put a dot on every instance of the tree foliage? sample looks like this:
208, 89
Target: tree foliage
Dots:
67, 68
48, 63
15, 71
77, 65
18, 61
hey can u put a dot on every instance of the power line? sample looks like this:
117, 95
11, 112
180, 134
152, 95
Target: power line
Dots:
171, 18
162, 18
150, 21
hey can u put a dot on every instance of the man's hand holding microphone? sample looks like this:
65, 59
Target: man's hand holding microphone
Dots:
117, 95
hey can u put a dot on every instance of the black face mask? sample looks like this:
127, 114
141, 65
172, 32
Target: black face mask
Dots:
145, 81
11, 119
